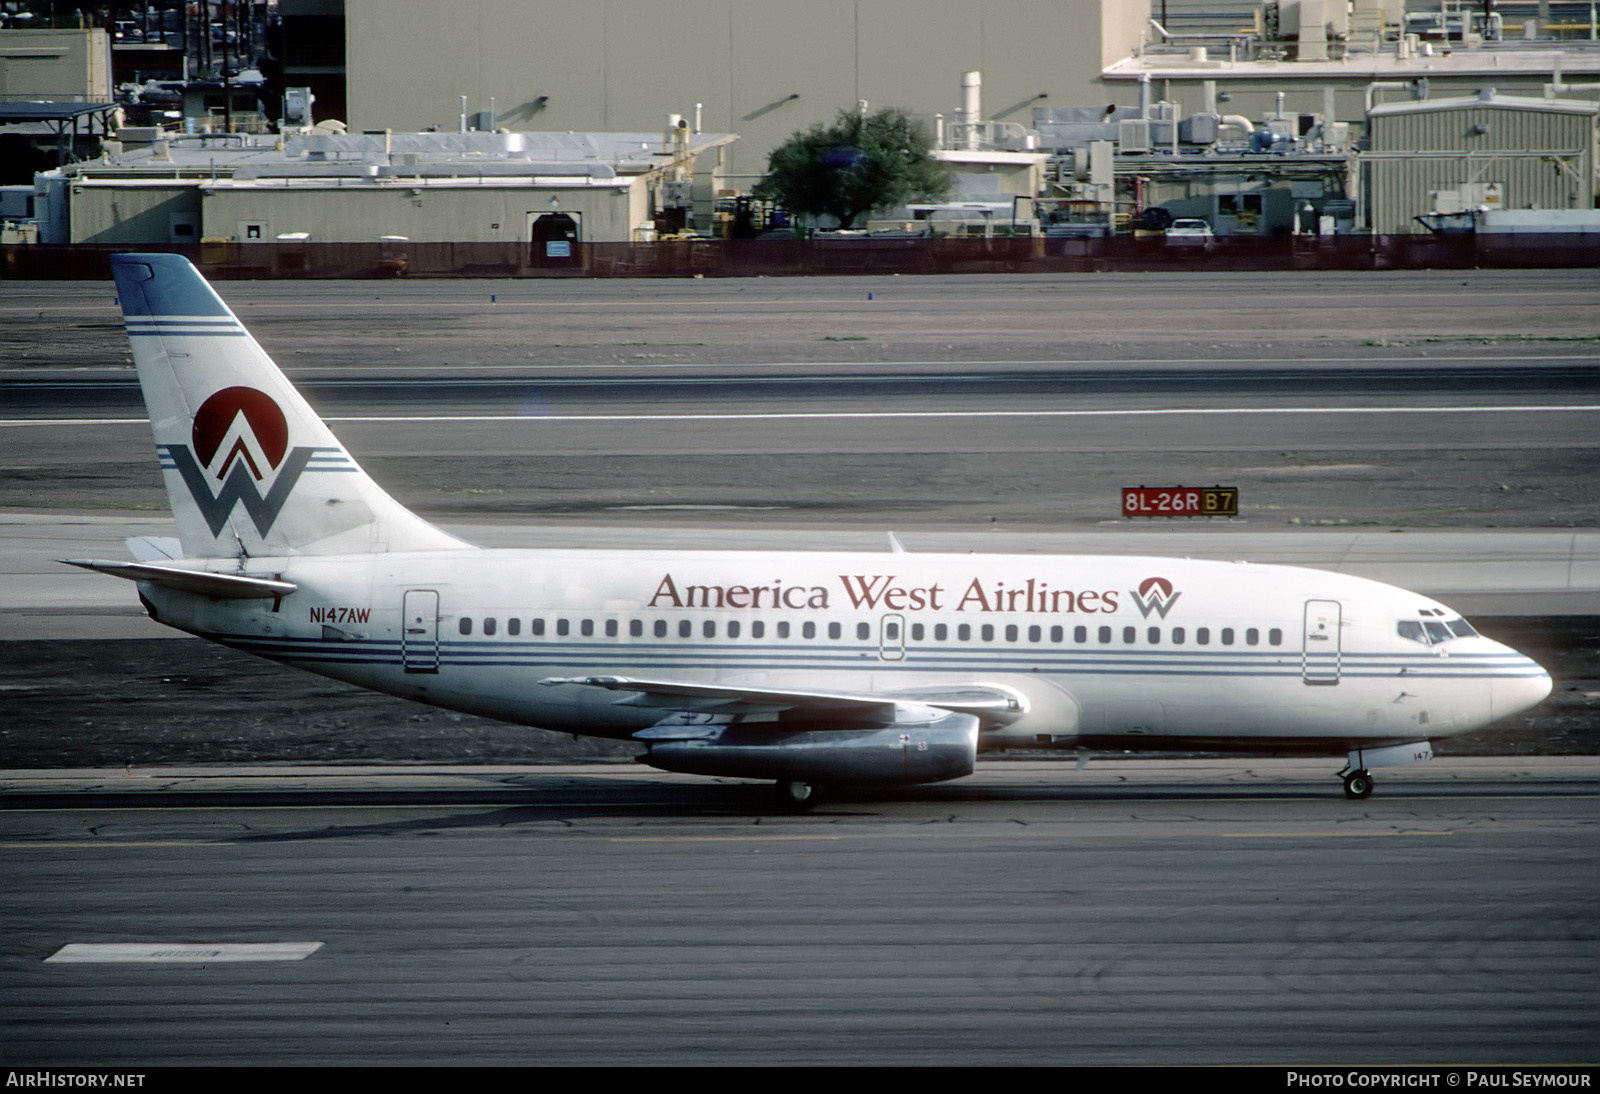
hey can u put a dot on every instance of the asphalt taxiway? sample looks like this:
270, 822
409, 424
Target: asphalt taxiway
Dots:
1134, 912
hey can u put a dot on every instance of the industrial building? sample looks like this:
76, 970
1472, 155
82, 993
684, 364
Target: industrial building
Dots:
1065, 117
1485, 151
333, 187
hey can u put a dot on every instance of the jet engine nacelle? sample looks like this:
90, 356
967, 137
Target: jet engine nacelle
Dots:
926, 752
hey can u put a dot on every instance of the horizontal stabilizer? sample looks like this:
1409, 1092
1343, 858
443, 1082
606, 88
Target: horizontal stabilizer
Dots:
222, 586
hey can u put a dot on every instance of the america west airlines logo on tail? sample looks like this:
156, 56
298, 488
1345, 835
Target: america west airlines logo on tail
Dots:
241, 440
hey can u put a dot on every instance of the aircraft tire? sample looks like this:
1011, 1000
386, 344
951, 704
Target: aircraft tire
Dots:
797, 795
1358, 785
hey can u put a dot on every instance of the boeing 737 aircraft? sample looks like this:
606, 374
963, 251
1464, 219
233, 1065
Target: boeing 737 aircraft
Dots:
805, 668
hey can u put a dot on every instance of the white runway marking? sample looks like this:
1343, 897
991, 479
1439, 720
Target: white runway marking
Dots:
882, 415
190, 952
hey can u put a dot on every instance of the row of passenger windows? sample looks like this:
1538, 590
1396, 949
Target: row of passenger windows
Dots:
941, 632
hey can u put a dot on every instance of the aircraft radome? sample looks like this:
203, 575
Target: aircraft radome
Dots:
806, 668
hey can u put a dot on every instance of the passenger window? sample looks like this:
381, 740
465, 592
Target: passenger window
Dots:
1252, 636
1275, 637
916, 632
892, 632
1153, 636
1057, 634
537, 627
940, 632
863, 631
562, 626
733, 629
611, 628
1011, 632
758, 629
1105, 635
685, 629
586, 627
808, 630
834, 631
987, 632
661, 628
635, 628
709, 628
1227, 636
1080, 634
964, 632
465, 626
1177, 636
489, 626
1035, 634
1129, 635
1202, 635
783, 629
513, 626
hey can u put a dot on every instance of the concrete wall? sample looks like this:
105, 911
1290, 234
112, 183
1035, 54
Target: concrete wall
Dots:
625, 64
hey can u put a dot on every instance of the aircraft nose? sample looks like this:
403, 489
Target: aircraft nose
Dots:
1513, 694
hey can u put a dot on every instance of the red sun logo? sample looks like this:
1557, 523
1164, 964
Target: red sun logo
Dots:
1160, 583
263, 420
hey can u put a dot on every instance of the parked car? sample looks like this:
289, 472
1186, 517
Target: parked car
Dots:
1190, 232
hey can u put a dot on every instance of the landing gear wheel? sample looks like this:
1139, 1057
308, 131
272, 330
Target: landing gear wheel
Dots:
1358, 785
797, 795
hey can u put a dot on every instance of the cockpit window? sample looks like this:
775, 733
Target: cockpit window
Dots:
1431, 631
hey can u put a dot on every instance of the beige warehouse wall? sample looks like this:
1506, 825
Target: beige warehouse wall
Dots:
437, 215
625, 64
129, 214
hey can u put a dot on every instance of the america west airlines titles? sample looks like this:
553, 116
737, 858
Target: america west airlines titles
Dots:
874, 592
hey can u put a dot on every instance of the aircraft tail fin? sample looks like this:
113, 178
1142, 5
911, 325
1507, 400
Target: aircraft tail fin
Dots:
249, 467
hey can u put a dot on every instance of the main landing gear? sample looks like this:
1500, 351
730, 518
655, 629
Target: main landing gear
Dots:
797, 795
1358, 784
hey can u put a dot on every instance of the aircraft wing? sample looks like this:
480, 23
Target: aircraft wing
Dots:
992, 704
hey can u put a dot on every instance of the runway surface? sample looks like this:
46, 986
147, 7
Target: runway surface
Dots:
1136, 912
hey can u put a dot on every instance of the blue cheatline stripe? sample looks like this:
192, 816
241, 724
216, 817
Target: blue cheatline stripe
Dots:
482, 654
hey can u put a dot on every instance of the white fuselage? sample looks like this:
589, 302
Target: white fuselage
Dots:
1107, 651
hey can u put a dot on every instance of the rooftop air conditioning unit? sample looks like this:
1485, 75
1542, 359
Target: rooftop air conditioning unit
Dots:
1133, 135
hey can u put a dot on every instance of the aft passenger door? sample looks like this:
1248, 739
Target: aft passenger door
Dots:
419, 633
1319, 663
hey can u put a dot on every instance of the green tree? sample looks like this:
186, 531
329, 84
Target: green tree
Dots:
859, 163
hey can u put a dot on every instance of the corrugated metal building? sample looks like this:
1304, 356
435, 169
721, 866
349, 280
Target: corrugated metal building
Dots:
1488, 150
